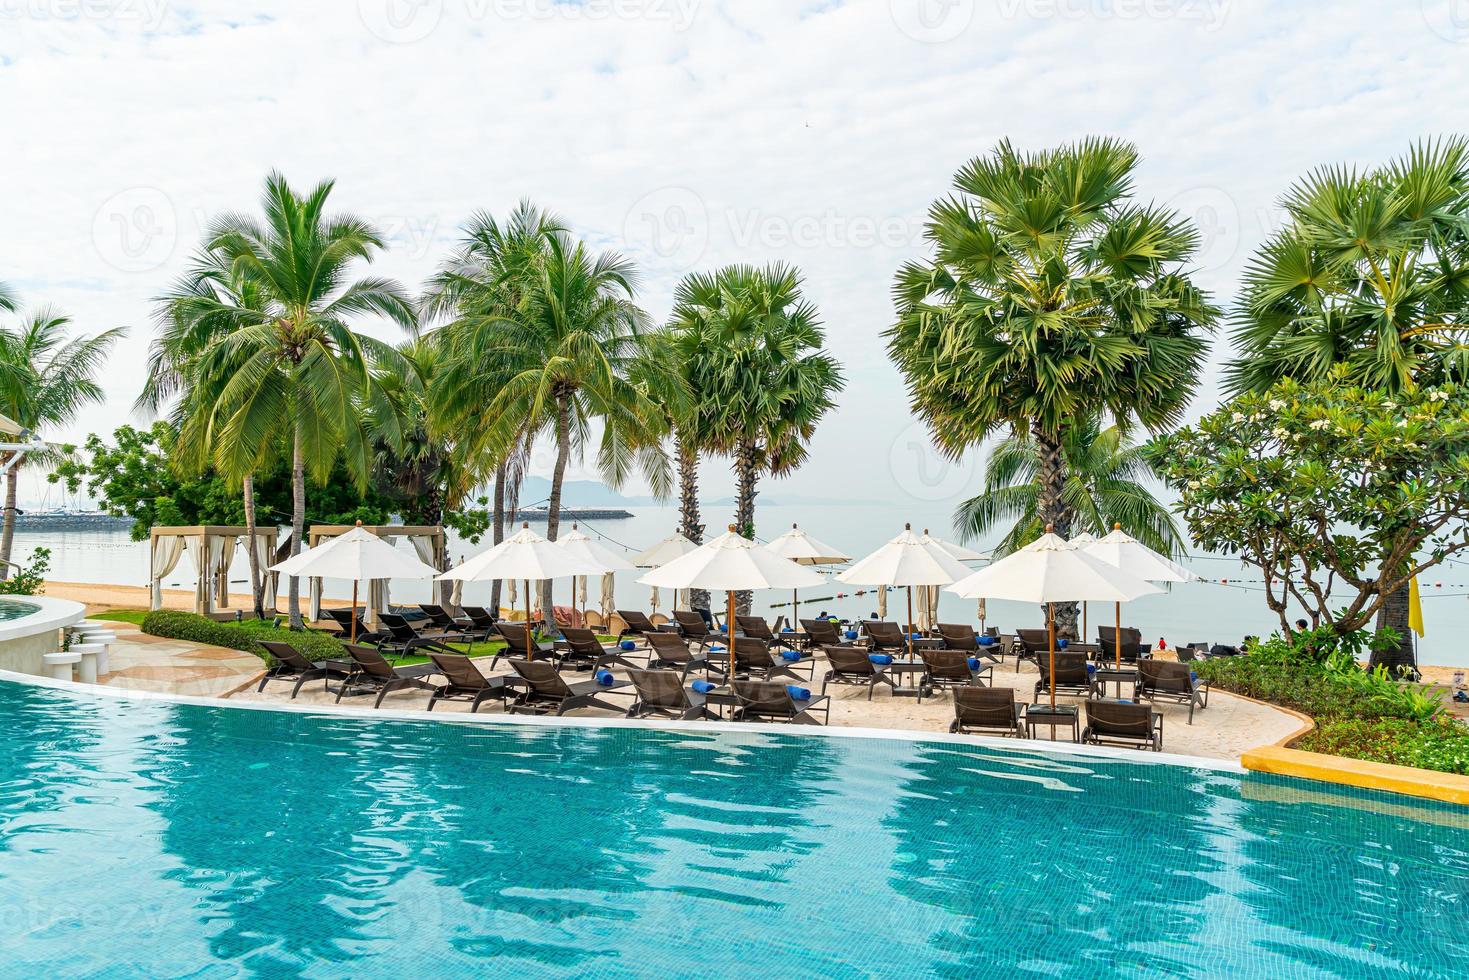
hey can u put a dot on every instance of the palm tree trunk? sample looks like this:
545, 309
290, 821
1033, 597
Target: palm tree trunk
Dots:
688, 507
7, 527
558, 478
257, 591
298, 525
498, 531
1053, 512
1394, 615
746, 477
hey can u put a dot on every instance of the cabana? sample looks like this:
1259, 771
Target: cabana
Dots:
212, 549
429, 543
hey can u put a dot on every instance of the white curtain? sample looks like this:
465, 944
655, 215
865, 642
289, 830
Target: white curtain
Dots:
268, 578
607, 598
221, 554
165, 558
194, 547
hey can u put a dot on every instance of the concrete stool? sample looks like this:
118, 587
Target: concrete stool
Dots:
87, 669
103, 638
60, 664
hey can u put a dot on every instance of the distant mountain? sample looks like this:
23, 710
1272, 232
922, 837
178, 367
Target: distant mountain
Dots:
578, 493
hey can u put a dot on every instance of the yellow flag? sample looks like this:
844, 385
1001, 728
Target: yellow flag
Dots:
1415, 608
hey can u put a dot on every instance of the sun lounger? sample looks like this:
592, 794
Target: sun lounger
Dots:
291, 665
669, 651
1072, 677
757, 628
516, 644
464, 682
949, 669
373, 674
457, 630
482, 619
885, 637
1121, 723
987, 711
637, 624
754, 659
767, 701
1160, 680
661, 694
1032, 645
961, 636
403, 638
854, 666
546, 691
1133, 649
343, 619
580, 648
694, 629
824, 633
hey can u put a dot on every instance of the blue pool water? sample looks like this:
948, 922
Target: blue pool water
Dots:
153, 839
15, 609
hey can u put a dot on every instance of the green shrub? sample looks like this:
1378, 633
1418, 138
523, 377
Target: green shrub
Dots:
1442, 746
239, 636
30, 579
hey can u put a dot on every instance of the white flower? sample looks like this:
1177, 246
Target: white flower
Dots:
1320, 424
1389, 405
1194, 484
1439, 396
1279, 432
1237, 418
1276, 405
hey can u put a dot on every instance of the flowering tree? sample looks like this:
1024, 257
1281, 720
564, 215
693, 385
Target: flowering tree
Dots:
1339, 495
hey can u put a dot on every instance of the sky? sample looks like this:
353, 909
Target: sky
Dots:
685, 133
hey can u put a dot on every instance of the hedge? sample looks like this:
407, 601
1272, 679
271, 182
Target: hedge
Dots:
240, 636
1437, 745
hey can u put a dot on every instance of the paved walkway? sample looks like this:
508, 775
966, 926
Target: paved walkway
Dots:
151, 663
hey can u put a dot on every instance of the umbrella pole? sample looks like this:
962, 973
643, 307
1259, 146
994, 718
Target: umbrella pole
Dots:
1085, 630
530, 650
729, 636
1051, 625
354, 610
795, 608
908, 626
1117, 637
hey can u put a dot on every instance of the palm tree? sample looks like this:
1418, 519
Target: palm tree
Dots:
1105, 474
1051, 296
1368, 282
269, 307
545, 347
45, 380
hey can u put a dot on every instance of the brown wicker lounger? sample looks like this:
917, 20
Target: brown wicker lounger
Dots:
1162, 680
1072, 677
949, 669
291, 665
579, 647
753, 658
464, 682
1121, 723
548, 693
987, 711
637, 623
669, 651
766, 701
853, 665
373, 674
661, 694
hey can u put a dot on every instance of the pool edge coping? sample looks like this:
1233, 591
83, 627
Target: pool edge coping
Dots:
51, 614
1101, 753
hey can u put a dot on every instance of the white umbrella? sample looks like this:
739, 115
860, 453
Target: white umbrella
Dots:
957, 551
358, 555
1081, 542
1047, 571
524, 556
803, 549
665, 551
731, 563
905, 562
1121, 550
579, 544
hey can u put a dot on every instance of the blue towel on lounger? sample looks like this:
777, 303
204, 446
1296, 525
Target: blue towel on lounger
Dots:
786, 629
790, 656
703, 687
986, 641
1193, 676
605, 678
716, 648
881, 659
851, 634
628, 645
973, 663
1061, 644
1091, 669
798, 693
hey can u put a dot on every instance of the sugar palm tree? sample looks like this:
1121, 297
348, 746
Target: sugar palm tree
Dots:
1051, 296
1106, 476
45, 380
762, 378
555, 334
1368, 282
270, 307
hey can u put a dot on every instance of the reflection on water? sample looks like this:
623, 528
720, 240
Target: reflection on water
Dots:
188, 840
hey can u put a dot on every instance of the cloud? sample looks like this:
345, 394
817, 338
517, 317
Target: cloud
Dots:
686, 132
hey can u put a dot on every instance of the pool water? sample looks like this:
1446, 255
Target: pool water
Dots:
145, 838
15, 609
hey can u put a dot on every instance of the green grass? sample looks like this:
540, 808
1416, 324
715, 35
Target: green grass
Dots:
134, 616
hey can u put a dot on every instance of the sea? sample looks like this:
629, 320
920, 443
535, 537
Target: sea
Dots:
1227, 606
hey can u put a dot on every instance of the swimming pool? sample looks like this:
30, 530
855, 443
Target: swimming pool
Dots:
15, 609
151, 838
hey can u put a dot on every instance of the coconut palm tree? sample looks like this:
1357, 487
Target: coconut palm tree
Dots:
267, 313
546, 348
1369, 282
45, 380
1051, 296
1105, 486
762, 379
